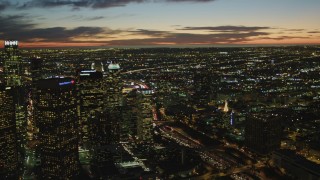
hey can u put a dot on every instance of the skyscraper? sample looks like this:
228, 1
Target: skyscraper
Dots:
137, 115
8, 137
144, 124
91, 100
12, 63
36, 69
205, 84
13, 79
130, 115
263, 132
112, 87
56, 117
106, 124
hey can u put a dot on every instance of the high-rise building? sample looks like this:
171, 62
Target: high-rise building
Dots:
144, 124
56, 117
137, 115
112, 87
12, 63
263, 132
130, 115
106, 124
8, 136
13, 78
205, 85
36, 69
91, 100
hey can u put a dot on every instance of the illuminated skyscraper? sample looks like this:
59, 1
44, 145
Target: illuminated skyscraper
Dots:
13, 74
137, 115
56, 117
106, 124
130, 115
91, 100
8, 138
112, 87
144, 124
263, 133
205, 85
12, 63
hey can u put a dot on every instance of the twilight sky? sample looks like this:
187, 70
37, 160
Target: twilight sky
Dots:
57, 23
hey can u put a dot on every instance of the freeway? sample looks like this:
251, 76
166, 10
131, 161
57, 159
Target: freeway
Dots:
217, 157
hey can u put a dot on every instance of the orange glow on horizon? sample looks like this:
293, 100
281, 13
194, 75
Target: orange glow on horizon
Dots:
104, 44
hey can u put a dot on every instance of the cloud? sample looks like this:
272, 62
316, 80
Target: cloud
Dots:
149, 32
226, 28
15, 27
53, 3
95, 18
61, 33
295, 30
95, 4
285, 37
194, 1
21, 28
12, 24
167, 37
113, 3
314, 32
4, 5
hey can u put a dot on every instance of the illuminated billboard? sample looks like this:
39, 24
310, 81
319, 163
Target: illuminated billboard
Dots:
66, 83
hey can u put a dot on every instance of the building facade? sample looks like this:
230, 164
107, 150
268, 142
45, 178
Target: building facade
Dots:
56, 117
12, 63
8, 136
13, 78
112, 87
90, 100
144, 124
263, 133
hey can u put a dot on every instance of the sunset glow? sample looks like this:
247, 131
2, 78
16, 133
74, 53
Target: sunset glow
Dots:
49, 23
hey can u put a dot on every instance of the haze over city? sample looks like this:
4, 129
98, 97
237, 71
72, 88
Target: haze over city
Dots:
159, 89
70, 23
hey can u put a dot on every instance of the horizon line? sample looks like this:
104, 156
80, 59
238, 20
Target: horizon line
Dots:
168, 46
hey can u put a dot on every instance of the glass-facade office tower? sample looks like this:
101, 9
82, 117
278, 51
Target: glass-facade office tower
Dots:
144, 124
8, 137
263, 133
91, 100
106, 124
130, 115
137, 116
13, 79
55, 106
12, 63
112, 87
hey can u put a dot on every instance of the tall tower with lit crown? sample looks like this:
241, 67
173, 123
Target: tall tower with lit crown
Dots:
113, 87
13, 74
108, 121
113, 101
91, 100
12, 63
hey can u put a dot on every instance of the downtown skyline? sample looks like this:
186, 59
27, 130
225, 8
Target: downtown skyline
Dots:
136, 23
